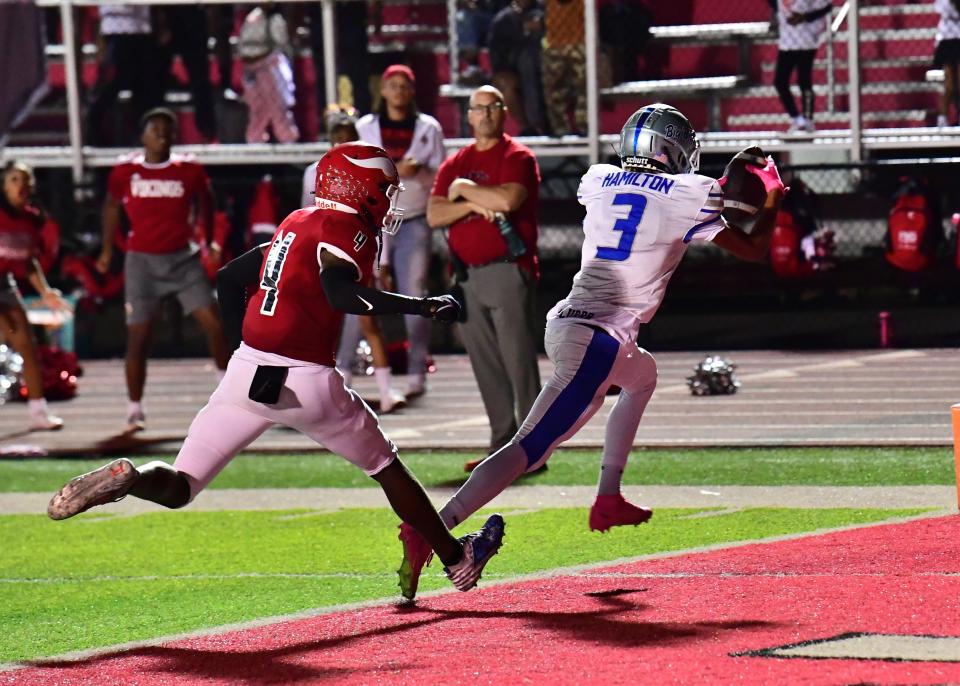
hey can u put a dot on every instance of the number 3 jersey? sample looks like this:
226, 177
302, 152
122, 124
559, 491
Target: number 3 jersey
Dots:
289, 315
637, 228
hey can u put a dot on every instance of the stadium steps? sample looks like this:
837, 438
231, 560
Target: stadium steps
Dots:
896, 50
828, 120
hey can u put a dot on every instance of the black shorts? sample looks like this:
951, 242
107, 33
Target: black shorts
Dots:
947, 52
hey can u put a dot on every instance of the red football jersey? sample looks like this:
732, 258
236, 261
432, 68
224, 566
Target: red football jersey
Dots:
20, 241
289, 315
158, 199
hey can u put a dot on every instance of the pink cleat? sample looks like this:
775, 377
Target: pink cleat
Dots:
417, 554
613, 510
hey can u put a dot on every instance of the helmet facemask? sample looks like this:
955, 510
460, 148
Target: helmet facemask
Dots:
394, 216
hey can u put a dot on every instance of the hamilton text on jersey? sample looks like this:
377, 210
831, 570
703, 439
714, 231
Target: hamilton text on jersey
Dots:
653, 182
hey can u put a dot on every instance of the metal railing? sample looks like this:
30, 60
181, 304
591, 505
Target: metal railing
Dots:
855, 140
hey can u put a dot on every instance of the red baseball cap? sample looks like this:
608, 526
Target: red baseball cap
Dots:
399, 70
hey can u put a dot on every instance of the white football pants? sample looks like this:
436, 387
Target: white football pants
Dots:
587, 362
314, 401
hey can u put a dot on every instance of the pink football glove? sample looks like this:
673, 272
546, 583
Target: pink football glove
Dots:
768, 175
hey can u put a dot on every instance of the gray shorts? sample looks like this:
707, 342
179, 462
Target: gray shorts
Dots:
150, 278
9, 292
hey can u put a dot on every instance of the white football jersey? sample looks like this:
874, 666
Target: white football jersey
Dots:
637, 228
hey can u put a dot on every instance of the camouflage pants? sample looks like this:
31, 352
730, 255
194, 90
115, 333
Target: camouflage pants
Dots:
565, 80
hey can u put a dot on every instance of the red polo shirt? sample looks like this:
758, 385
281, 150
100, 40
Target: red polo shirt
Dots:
474, 239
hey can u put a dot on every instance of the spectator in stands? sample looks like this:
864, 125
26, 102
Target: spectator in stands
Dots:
268, 88
473, 26
415, 143
352, 59
487, 195
183, 31
130, 59
21, 227
801, 27
624, 28
341, 127
221, 22
565, 66
515, 37
946, 56
159, 192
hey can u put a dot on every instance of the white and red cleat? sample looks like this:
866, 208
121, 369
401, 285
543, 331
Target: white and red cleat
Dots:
105, 485
613, 510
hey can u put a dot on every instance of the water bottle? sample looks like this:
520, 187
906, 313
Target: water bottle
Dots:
515, 245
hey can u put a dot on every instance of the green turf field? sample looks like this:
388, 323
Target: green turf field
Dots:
101, 579
744, 467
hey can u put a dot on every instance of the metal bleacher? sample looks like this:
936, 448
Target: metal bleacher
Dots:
734, 105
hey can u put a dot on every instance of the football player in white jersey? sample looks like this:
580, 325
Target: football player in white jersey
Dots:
640, 219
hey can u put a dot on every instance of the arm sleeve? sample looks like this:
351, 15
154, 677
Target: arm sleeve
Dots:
116, 183
521, 168
345, 294
445, 176
307, 197
816, 14
233, 279
709, 221
201, 179
437, 151
590, 184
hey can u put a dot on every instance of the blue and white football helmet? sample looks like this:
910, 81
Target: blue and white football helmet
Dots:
660, 138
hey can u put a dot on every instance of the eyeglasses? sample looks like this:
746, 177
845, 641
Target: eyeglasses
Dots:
486, 109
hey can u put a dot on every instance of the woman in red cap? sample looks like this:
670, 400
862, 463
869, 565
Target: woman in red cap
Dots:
414, 142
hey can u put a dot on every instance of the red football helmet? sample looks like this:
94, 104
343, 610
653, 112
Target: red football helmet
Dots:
364, 178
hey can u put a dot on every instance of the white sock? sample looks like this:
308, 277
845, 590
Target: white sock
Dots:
383, 377
622, 427
134, 407
37, 405
486, 482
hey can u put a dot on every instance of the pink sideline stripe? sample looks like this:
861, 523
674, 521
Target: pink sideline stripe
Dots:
610, 625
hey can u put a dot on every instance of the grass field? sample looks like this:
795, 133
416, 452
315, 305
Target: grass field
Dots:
102, 579
744, 467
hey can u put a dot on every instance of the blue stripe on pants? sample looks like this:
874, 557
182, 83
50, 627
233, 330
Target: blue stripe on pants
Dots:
575, 398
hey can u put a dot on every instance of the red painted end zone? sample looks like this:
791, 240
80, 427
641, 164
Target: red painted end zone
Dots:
674, 620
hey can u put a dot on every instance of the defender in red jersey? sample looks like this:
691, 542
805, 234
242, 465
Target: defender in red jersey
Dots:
282, 371
160, 194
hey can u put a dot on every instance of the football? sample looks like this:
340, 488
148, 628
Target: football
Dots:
743, 192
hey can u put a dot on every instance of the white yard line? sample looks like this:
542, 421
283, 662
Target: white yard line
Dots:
538, 497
